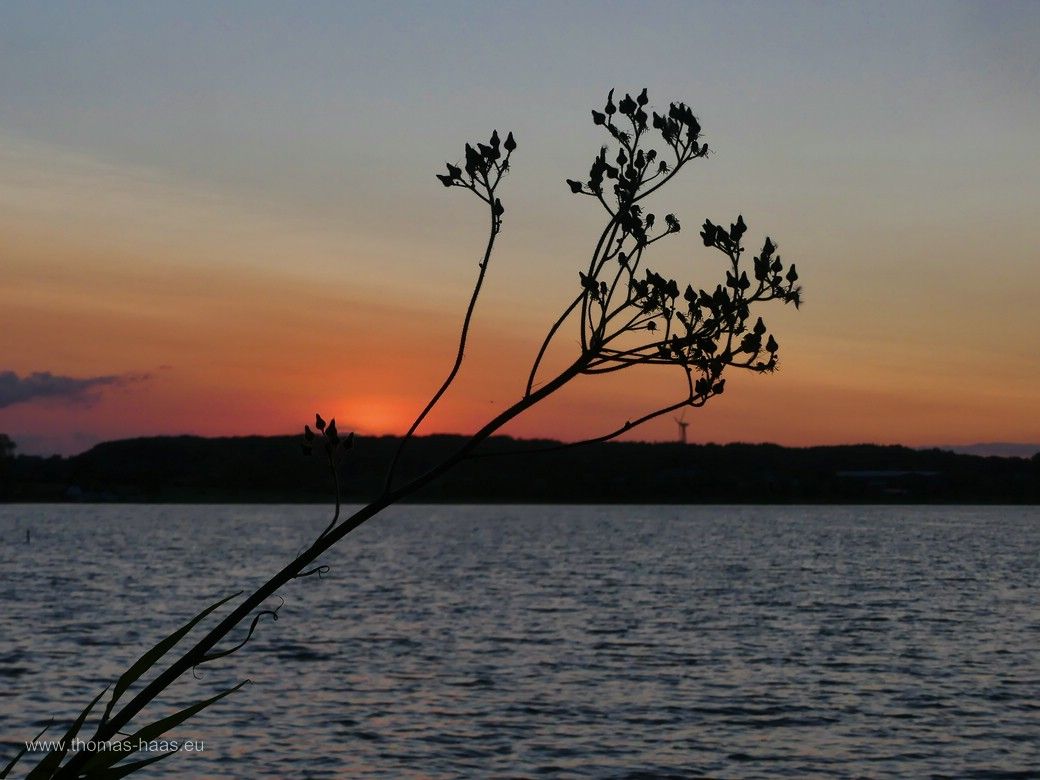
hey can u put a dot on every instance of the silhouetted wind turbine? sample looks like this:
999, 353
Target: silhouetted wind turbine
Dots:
683, 425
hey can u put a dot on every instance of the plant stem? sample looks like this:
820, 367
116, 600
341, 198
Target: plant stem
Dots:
197, 653
388, 484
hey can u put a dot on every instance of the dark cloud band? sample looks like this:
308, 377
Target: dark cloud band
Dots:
43, 385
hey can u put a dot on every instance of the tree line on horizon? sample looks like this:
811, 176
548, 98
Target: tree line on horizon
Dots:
271, 469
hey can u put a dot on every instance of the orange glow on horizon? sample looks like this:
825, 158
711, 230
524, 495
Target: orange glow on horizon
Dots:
378, 416
244, 324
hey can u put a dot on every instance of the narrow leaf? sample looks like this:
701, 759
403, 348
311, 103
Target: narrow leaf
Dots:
52, 760
10, 764
106, 758
149, 659
113, 773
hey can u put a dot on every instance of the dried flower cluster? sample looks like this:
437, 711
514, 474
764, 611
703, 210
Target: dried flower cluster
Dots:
630, 314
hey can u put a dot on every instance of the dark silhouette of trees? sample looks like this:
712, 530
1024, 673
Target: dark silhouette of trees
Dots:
626, 316
259, 469
7, 448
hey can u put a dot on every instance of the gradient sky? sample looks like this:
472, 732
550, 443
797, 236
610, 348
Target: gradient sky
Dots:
217, 218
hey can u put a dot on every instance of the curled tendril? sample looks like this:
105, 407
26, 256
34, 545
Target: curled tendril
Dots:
319, 570
252, 627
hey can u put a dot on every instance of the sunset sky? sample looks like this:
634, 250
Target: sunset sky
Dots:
218, 218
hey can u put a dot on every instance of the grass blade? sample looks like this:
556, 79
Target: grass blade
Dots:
52, 760
115, 772
106, 758
149, 659
10, 764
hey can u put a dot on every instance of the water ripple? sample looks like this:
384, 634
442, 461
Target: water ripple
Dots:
563, 642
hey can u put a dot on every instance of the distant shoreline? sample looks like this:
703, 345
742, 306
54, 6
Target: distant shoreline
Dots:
273, 470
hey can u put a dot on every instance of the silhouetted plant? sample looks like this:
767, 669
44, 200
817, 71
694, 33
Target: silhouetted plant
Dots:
627, 315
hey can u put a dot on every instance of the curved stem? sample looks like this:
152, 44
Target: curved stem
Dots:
607, 235
629, 425
548, 338
335, 483
388, 483
680, 160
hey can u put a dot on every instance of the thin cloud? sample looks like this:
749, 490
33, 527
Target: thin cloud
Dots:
43, 385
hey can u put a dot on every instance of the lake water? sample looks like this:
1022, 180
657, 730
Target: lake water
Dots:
607, 642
